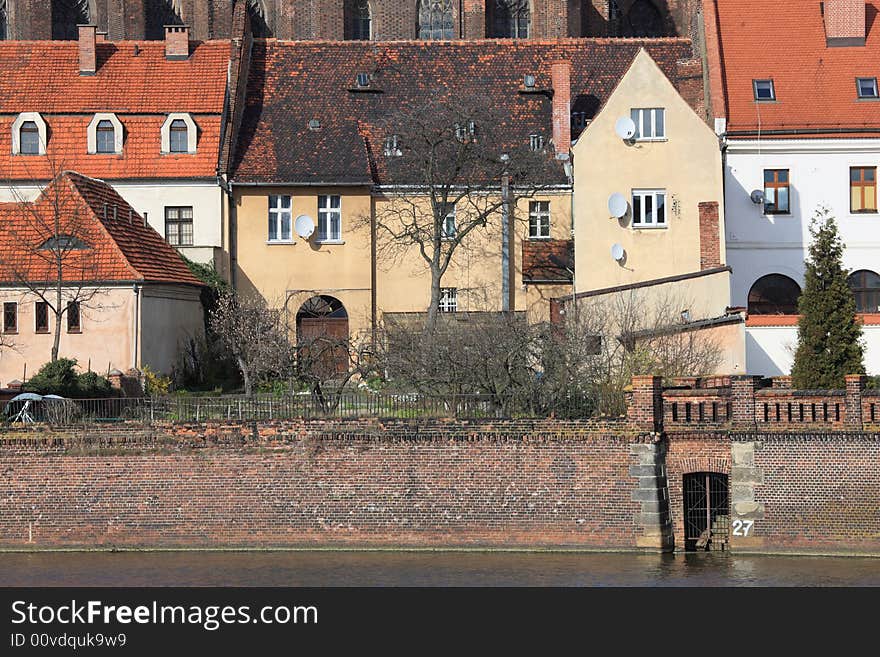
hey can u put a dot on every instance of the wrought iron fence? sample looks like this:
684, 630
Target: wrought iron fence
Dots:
173, 408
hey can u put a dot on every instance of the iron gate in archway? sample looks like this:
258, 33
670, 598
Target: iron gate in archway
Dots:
706, 511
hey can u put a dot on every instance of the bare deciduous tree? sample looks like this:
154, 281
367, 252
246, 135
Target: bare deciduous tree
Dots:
256, 336
454, 174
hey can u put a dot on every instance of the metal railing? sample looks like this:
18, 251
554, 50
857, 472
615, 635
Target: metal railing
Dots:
173, 408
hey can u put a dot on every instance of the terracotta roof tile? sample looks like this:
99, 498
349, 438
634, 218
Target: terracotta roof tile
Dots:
121, 247
547, 261
815, 84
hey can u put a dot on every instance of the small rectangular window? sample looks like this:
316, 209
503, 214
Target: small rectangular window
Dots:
41, 317
10, 317
539, 219
650, 123
863, 189
179, 226
449, 225
649, 208
73, 318
279, 219
536, 142
764, 90
330, 218
448, 300
867, 87
777, 191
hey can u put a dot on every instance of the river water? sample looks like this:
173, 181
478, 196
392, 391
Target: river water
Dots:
428, 569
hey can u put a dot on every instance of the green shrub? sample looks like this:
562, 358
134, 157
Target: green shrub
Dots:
60, 378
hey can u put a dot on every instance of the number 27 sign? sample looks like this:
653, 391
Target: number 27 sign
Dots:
742, 527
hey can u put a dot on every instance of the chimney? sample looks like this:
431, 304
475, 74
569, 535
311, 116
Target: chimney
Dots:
177, 42
710, 236
100, 37
88, 62
844, 22
560, 74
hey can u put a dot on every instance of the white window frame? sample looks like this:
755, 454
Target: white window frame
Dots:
276, 216
537, 217
445, 233
179, 222
448, 302
645, 117
872, 81
92, 133
325, 213
536, 142
654, 194
20, 120
191, 133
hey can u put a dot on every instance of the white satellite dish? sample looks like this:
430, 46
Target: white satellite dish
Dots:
757, 197
304, 226
617, 252
617, 205
625, 128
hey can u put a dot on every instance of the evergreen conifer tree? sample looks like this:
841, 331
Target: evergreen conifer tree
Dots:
829, 335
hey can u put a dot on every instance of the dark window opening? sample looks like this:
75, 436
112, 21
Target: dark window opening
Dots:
774, 294
865, 285
10, 317
41, 317
357, 20
509, 19
706, 511
259, 23
73, 317
66, 15
158, 14
643, 20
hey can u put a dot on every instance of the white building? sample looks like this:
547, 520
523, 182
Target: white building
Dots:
800, 128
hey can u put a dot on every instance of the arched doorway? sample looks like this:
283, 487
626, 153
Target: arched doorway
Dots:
706, 511
322, 335
774, 294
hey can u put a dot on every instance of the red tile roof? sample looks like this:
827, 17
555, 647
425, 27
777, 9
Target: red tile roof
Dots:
120, 247
292, 83
815, 84
43, 76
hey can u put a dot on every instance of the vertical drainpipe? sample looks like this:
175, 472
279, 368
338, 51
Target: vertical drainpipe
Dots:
373, 275
137, 325
233, 242
505, 242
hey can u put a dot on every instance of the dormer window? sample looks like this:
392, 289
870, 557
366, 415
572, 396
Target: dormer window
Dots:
392, 148
536, 142
104, 135
764, 90
179, 134
29, 134
867, 87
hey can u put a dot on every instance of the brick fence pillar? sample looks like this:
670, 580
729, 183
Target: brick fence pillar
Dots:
855, 386
646, 404
742, 392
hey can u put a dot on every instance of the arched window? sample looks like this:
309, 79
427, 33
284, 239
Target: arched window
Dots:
509, 19
259, 20
435, 19
179, 136
357, 20
105, 134
66, 15
774, 294
865, 285
158, 14
29, 136
644, 20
